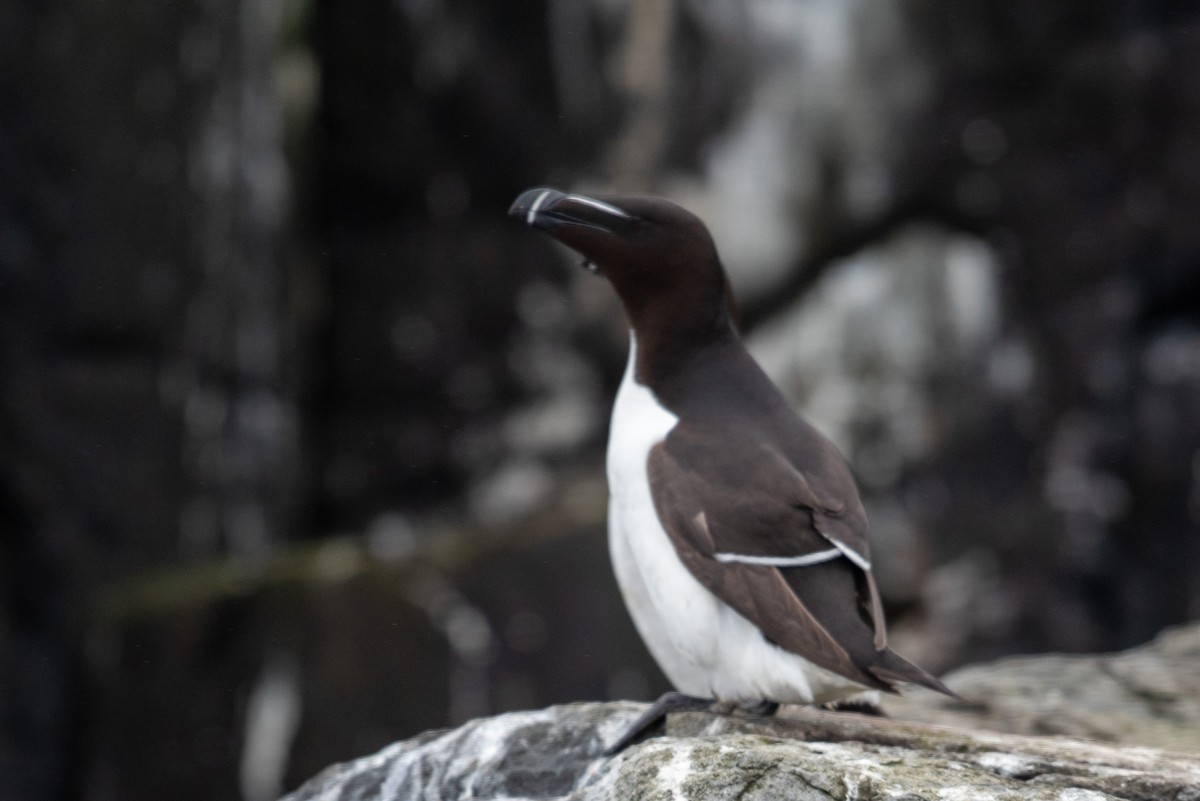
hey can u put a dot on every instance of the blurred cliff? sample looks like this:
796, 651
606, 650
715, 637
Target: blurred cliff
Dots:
300, 439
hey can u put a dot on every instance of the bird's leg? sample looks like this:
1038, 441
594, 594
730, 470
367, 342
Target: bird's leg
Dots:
859, 706
667, 703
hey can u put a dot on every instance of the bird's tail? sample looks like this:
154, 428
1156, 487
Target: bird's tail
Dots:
891, 668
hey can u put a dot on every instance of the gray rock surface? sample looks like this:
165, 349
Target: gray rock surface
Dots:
1148, 695
555, 753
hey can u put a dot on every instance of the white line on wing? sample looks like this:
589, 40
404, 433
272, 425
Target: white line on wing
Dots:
781, 561
853, 555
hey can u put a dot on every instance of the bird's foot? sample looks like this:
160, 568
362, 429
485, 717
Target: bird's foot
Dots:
763, 708
859, 706
679, 702
658, 711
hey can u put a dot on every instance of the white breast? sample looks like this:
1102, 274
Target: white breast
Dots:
703, 646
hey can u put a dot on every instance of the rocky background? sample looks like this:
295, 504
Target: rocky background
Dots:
300, 438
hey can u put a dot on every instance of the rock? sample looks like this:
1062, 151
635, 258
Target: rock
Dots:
1148, 695
555, 753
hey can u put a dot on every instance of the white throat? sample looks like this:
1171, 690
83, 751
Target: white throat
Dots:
639, 422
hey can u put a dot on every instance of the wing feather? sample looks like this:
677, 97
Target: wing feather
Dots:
758, 592
760, 509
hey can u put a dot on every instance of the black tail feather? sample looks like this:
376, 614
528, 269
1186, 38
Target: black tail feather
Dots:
829, 591
893, 668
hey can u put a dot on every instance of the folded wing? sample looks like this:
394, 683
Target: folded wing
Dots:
789, 556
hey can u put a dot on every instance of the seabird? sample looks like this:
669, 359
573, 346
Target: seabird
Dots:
735, 528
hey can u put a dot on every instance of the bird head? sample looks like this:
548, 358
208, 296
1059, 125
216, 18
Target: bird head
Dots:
659, 257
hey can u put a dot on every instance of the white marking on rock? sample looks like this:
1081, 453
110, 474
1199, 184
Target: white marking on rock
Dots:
963, 792
272, 720
1010, 766
1082, 794
473, 750
674, 773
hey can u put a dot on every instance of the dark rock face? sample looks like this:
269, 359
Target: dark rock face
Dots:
145, 409
555, 753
